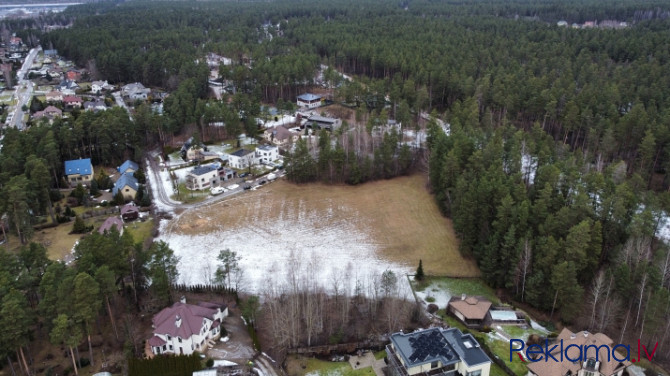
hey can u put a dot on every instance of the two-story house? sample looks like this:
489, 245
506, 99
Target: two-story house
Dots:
184, 328
79, 171
436, 351
242, 158
309, 100
267, 153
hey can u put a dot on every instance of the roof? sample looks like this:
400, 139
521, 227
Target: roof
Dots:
71, 98
78, 166
472, 308
129, 208
191, 316
128, 164
156, 341
266, 147
201, 170
126, 179
309, 97
242, 152
436, 344
111, 222
281, 133
322, 119
579, 339
52, 109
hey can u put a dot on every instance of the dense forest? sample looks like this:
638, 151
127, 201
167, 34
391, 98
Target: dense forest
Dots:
555, 169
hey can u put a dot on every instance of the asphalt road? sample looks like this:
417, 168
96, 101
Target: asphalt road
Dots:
24, 90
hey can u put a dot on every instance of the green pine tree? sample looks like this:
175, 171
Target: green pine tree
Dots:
419, 276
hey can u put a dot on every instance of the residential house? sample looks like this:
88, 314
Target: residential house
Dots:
49, 113
226, 174
471, 311
72, 101
127, 185
595, 358
99, 86
130, 212
184, 328
242, 158
111, 222
135, 91
267, 153
436, 351
67, 87
51, 53
203, 177
322, 122
280, 136
54, 96
79, 171
73, 75
128, 166
95, 106
199, 154
309, 100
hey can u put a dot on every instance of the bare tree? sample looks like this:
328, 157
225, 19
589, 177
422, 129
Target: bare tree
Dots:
641, 288
524, 267
597, 289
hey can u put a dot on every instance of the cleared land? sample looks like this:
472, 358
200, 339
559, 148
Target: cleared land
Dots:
387, 222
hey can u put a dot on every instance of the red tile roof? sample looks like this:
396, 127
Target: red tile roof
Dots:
165, 322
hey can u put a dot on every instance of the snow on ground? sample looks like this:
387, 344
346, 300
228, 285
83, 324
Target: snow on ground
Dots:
537, 326
529, 167
441, 296
286, 119
224, 363
663, 231
270, 249
155, 186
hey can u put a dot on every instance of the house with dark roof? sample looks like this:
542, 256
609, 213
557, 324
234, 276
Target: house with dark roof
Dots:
596, 359
309, 100
322, 122
280, 136
72, 101
79, 171
130, 212
127, 185
128, 166
436, 351
242, 158
95, 106
111, 222
472, 311
203, 177
184, 328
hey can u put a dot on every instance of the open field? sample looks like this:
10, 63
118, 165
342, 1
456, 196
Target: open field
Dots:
300, 365
362, 229
439, 290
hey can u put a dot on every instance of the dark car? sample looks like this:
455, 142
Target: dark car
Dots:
243, 175
246, 187
262, 182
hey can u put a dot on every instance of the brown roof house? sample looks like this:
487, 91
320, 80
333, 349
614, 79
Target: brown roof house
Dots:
130, 212
185, 328
590, 355
111, 222
472, 311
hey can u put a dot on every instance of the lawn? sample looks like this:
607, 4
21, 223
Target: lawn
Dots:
299, 365
501, 349
188, 196
456, 286
139, 230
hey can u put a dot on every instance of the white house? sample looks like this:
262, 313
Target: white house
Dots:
436, 351
184, 328
309, 100
135, 91
280, 136
242, 158
267, 153
202, 177
98, 86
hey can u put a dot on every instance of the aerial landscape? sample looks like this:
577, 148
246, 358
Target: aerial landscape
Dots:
335, 188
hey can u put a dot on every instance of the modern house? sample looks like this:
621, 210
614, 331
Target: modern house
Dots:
471, 311
111, 222
128, 166
98, 86
267, 153
600, 364
50, 113
129, 212
79, 171
202, 177
54, 96
309, 100
242, 158
95, 106
128, 186
184, 328
436, 351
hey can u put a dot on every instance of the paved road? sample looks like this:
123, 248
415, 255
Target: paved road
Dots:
24, 91
121, 103
166, 201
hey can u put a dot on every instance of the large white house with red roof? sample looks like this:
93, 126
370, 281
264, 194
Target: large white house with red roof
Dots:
184, 328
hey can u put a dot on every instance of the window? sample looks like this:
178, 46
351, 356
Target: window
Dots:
475, 373
433, 365
179, 339
170, 347
169, 338
164, 347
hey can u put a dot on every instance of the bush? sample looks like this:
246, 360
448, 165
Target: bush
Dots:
430, 299
55, 195
80, 226
209, 363
432, 308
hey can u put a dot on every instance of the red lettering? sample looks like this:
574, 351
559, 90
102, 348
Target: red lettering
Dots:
652, 353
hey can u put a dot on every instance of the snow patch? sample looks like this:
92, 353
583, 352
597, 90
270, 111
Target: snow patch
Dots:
224, 363
441, 295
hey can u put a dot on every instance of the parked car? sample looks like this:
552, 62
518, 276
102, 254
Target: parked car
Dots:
243, 175
217, 191
246, 187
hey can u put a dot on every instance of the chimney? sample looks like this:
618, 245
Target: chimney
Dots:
463, 296
177, 321
586, 334
573, 336
182, 299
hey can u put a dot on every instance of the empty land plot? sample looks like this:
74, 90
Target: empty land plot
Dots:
393, 222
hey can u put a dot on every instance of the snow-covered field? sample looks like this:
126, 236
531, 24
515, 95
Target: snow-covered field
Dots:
440, 295
270, 248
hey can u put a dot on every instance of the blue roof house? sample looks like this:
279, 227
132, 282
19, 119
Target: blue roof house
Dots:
128, 166
309, 100
128, 186
79, 171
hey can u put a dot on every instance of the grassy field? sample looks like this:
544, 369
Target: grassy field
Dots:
188, 196
458, 286
399, 215
501, 349
299, 365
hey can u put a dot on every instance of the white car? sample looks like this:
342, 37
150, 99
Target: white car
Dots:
231, 187
217, 191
